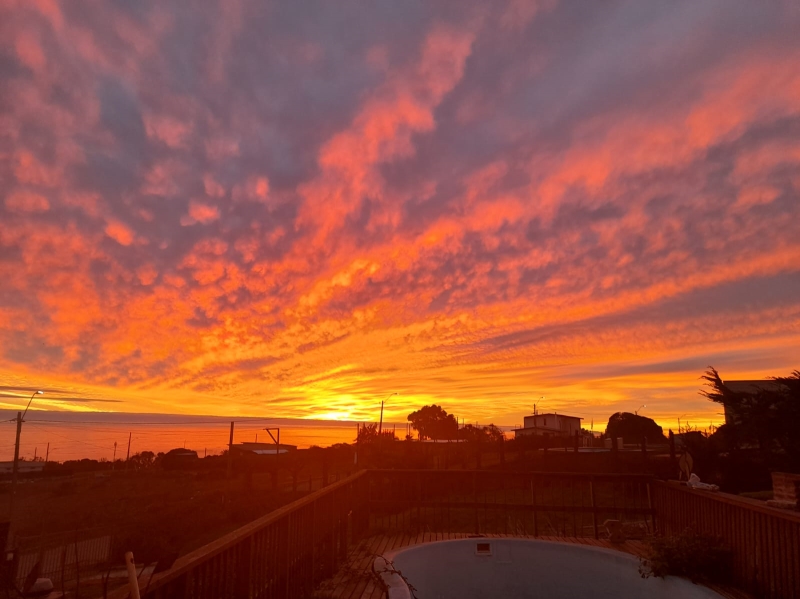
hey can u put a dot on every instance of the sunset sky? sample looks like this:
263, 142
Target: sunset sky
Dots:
296, 208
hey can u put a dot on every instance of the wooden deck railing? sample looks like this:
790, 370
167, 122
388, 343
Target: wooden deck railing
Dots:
529, 503
283, 554
286, 553
765, 541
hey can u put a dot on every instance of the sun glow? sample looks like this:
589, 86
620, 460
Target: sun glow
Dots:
437, 209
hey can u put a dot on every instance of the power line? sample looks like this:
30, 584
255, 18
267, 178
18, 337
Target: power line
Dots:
224, 422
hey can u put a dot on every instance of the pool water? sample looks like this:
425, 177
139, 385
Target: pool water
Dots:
482, 568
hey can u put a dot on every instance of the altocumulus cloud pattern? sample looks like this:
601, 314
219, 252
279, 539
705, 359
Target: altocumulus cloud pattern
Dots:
297, 207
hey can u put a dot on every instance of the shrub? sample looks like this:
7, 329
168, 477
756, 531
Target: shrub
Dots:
699, 557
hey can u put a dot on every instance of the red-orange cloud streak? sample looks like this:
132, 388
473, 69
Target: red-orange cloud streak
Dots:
250, 211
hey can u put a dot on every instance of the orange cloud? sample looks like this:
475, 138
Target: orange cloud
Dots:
26, 202
29, 51
474, 209
200, 213
119, 232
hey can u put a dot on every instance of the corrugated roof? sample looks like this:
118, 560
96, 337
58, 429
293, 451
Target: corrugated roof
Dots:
753, 386
552, 414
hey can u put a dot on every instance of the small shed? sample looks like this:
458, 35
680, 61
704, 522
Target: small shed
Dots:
263, 448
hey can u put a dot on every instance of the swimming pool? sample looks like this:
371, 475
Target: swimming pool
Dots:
521, 569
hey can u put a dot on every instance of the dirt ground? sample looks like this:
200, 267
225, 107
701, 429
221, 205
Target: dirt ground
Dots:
158, 512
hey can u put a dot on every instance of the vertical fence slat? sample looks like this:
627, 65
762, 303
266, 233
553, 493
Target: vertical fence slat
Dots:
764, 540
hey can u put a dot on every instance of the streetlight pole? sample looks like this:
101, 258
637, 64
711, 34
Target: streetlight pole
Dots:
15, 470
636, 413
679, 423
380, 424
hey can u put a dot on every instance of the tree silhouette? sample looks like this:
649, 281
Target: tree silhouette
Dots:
432, 422
767, 415
368, 433
483, 434
633, 428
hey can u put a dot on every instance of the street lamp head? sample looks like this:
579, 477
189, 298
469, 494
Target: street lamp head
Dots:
40, 392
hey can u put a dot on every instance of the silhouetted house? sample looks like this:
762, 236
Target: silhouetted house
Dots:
748, 387
549, 425
177, 459
263, 448
23, 467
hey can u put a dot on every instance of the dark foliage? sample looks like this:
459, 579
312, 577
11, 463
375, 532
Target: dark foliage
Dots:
633, 428
697, 556
368, 433
481, 434
768, 417
432, 422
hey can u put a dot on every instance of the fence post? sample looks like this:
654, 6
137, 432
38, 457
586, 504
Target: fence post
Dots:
594, 508
344, 509
368, 507
672, 460
419, 502
287, 563
533, 501
475, 501
244, 569
314, 544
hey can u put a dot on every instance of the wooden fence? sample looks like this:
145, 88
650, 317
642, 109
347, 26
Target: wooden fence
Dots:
62, 558
525, 503
765, 541
283, 554
286, 553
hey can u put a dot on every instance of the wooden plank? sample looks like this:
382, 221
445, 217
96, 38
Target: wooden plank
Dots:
745, 502
357, 571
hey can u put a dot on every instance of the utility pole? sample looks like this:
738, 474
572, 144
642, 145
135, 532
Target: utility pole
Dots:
47, 454
380, 424
16, 466
128, 457
20, 416
230, 452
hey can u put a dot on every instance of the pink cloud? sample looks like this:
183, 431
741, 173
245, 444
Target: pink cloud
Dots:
119, 232
173, 132
483, 199
30, 51
22, 201
200, 213
147, 274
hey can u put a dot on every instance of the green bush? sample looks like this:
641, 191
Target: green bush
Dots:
699, 557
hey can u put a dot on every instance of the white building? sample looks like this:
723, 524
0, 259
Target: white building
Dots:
549, 425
